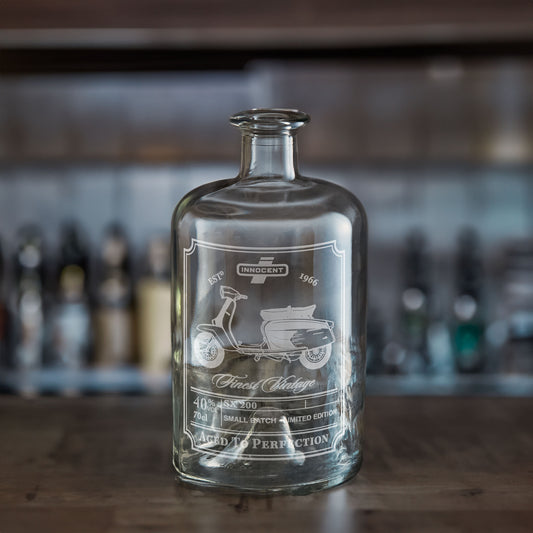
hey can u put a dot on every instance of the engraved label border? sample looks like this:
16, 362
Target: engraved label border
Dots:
272, 251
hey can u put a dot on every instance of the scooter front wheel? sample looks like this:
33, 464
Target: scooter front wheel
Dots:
207, 350
316, 357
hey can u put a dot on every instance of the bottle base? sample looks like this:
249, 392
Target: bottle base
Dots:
295, 489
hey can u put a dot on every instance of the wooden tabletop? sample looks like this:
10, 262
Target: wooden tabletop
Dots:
103, 465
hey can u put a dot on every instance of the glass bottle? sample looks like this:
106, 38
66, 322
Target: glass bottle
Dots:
268, 321
3, 316
414, 311
113, 318
152, 305
513, 332
29, 308
468, 317
71, 321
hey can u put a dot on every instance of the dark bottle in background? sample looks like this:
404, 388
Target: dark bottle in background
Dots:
414, 309
29, 304
4, 327
375, 344
468, 327
113, 320
71, 322
152, 309
517, 307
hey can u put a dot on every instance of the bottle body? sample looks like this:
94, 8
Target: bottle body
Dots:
268, 330
268, 390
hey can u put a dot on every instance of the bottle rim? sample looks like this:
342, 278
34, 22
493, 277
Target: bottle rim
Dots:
269, 120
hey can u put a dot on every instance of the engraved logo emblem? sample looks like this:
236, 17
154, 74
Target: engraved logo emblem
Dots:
263, 269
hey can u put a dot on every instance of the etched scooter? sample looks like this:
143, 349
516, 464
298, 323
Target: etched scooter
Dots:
289, 333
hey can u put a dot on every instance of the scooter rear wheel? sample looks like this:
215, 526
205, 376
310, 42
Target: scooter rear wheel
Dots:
316, 357
207, 350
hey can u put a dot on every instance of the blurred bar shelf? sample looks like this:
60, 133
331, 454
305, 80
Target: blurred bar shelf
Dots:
453, 385
238, 24
128, 380
131, 380
165, 35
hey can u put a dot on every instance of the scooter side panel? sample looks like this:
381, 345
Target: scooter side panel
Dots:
313, 338
280, 334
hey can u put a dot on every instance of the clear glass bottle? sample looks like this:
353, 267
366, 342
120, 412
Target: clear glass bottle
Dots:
71, 315
29, 308
468, 315
3, 316
152, 305
113, 317
415, 304
268, 321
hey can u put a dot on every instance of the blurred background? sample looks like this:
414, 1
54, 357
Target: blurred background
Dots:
111, 111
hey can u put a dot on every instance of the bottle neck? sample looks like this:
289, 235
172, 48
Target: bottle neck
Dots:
271, 156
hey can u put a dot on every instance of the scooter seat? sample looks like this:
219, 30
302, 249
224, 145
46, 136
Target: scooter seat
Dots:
288, 313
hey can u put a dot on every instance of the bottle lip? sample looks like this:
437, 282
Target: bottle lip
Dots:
269, 120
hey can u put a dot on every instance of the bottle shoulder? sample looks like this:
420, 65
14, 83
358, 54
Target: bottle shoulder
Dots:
195, 196
300, 198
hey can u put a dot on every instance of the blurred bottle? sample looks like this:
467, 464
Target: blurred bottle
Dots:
440, 350
414, 310
113, 320
29, 305
71, 324
3, 315
468, 326
517, 300
153, 304
375, 344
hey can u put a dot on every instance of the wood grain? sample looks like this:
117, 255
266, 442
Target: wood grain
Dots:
242, 13
103, 465
269, 24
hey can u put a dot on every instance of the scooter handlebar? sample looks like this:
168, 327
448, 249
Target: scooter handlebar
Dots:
229, 292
